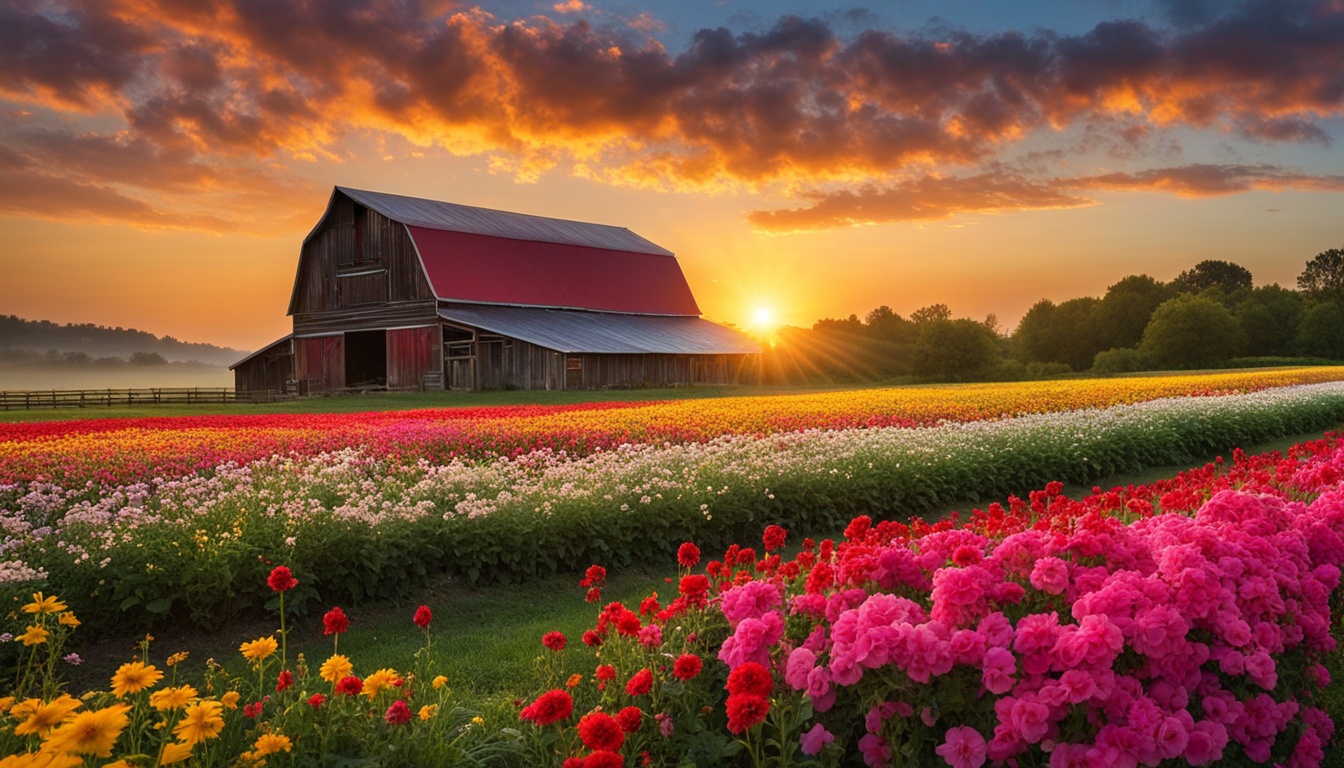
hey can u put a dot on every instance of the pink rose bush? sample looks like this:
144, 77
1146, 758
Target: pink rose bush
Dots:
1182, 623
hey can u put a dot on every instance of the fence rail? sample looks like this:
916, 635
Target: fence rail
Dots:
17, 400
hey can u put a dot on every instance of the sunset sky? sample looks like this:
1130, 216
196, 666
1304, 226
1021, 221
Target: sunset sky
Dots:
161, 160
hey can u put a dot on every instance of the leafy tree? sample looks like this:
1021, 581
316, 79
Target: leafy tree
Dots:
1189, 332
1223, 275
1322, 331
1269, 317
1323, 277
930, 313
882, 323
1064, 333
1126, 309
851, 324
1034, 337
956, 350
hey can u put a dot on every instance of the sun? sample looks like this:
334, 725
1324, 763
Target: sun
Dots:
763, 318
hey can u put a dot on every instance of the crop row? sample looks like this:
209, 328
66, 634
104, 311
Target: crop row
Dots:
112, 452
356, 525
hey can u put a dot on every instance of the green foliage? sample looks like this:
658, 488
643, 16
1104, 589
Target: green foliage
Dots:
1126, 309
1323, 277
1191, 332
956, 350
1114, 361
1221, 275
1322, 331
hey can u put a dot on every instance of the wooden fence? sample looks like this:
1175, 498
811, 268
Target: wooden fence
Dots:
17, 400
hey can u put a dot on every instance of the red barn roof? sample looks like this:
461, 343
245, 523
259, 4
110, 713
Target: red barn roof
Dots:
483, 256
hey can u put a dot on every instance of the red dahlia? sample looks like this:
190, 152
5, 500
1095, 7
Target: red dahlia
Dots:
423, 616
640, 684
630, 719
774, 537
286, 680
599, 730
750, 679
554, 640
687, 666
604, 759
551, 706
746, 711
335, 622
688, 555
350, 685
398, 714
281, 579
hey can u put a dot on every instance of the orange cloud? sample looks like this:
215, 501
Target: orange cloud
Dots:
197, 93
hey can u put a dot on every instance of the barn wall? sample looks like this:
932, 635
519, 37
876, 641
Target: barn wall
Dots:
356, 260
264, 373
410, 356
501, 363
319, 363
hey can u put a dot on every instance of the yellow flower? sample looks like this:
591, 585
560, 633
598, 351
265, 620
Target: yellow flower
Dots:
439, 681
335, 668
68, 619
177, 658
270, 743
34, 636
230, 699
42, 604
174, 752
202, 720
257, 650
89, 733
40, 760
172, 698
478, 720
428, 711
380, 681
6, 703
133, 677
39, 718
119, 764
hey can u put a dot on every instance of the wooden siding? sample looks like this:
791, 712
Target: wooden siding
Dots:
410, 356
319, 363
339, 268
367, 317
264, 372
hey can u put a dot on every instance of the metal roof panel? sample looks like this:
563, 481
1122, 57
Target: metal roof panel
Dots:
577, 332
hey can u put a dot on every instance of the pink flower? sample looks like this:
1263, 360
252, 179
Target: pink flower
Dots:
999, 668
750, 601
1031, 719
963, 748
816, 739
1050, 575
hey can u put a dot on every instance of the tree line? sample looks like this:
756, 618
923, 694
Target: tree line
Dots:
43, 341
1210, 315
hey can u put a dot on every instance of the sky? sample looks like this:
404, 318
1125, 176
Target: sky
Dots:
162, 160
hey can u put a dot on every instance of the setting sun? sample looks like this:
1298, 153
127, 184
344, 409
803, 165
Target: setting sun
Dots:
763, 318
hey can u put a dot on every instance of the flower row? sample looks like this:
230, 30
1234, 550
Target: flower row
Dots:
118, 451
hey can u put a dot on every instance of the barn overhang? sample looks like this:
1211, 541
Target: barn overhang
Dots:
580, 332
283, 345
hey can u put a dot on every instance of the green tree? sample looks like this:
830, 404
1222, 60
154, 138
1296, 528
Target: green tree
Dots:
1223, 275
1322, 331
1063, 333
1323, 278
1189, 332
1126, 309
1269, 317
956, 350
930, 313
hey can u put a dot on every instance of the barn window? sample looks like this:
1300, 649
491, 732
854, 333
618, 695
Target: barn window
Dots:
361, 231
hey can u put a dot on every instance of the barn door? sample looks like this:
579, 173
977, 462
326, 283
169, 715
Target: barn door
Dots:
573, 373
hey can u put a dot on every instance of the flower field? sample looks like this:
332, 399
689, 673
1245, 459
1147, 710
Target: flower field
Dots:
1194, 621
357, 524
116, 451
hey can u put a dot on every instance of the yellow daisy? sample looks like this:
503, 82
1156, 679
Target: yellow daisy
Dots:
335, 668
172, 698
89, 733
39, 718
439, 681
230, 699
43, 604
428, 711
201, 721
133, 677
68, 619
174, 752
41, 760
380, 681
34, 636
270, 743
258, 650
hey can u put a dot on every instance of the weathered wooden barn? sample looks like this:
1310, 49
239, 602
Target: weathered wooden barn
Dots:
405, 293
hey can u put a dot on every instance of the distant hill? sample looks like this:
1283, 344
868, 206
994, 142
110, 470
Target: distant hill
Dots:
22, 339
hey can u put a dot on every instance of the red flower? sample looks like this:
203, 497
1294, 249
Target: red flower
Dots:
746, 711
649, 605
750, 679
281, 579
554, 640
627, 623
594, 595
317, 700
746, 555
334, 622
774, 537
350, 685
599, 730
605, 672
423, 616
630, 719
398, 713
286, 680
640, 684
604, 759
572, 762
695, 588
688, 555
594, 576
687, 666
550, 707
252, 711
592, 639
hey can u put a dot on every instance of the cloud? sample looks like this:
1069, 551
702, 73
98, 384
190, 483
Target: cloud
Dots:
201, 91
1203, 180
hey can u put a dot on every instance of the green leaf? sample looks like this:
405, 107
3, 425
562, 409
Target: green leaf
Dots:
160, 605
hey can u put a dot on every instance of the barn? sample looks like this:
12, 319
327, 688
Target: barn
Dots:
404, 293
